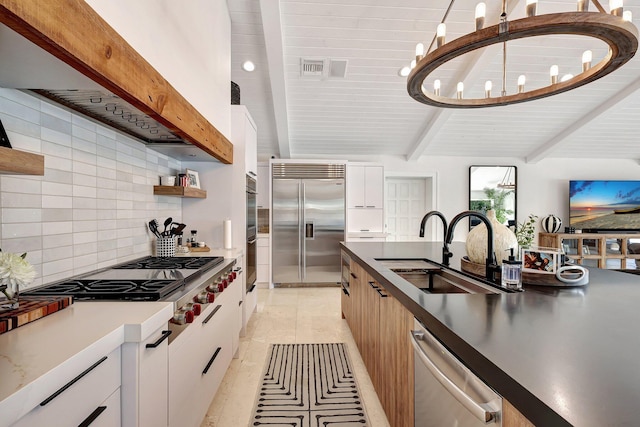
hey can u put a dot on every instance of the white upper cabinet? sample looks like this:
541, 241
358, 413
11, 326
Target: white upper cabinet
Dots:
365, 186
262, 200
244, 136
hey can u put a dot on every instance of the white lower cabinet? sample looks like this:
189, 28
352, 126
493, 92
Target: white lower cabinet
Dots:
263, 275
144, 381
198, 360
77, 399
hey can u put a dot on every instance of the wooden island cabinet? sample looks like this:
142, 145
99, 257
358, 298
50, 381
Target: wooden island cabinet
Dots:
381, 325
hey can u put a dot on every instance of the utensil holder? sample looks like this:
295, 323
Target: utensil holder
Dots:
166, 246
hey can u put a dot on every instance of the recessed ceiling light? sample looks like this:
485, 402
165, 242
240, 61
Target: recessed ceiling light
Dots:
248, 66
404, 71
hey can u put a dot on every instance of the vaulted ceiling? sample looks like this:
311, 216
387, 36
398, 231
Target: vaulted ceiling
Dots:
368, 110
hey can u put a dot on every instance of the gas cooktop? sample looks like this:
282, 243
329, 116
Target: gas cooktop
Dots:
147, 279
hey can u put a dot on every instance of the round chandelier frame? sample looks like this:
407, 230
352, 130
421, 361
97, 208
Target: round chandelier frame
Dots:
621, 36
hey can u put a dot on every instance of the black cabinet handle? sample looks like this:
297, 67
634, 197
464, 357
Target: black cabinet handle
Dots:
72, 382
215, 310
165, 335
353, 275
373, 285
345, 291
381, 294
239, 303
91, 418
206, 369
251, 289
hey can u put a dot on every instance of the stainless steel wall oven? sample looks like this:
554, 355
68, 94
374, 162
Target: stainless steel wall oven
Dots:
252, 227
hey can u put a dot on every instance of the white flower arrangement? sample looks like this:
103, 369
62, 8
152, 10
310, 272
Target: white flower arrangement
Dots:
15, 272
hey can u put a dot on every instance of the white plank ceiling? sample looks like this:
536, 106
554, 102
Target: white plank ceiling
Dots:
368, 112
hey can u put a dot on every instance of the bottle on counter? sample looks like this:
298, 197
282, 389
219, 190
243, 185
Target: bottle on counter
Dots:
511, 275
194, 238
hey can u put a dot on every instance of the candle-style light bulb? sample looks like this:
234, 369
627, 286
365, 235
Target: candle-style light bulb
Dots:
583, 5
441, 32
436, 87
615, 6
553, 73
627, 16
487, 88
566, 77
419, 51
532, 5
459, 90
587, 56
413, 64
481, 12
521, 81
404, 71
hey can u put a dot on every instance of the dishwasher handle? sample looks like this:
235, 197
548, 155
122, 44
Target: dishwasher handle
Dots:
471, 405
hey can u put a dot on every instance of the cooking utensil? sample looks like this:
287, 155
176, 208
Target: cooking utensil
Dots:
166, 224
176, 228
153, 226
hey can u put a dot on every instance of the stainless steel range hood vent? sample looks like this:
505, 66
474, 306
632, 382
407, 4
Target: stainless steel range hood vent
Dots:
113, 111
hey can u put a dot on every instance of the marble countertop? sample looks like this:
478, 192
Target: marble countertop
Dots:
78, 335
562, 356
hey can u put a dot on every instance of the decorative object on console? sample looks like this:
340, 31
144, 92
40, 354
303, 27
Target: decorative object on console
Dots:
15, 272
551, 223
526, 231
615, 29
503, 241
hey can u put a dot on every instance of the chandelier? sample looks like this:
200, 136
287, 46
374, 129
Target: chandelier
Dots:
614, 28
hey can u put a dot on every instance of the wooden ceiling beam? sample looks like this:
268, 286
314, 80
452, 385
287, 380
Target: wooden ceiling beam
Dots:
74, 33
561, 138
272, 27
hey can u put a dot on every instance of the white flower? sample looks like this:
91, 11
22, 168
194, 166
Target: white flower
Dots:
14, 269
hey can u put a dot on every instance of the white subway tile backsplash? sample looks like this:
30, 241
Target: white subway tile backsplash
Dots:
14, 215
58, 253
57, 201
55, 241
57, 189
20, 230
59, 227
19, 200
91, 208
21, 184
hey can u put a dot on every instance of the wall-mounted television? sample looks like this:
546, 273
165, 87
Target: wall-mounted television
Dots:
599, 206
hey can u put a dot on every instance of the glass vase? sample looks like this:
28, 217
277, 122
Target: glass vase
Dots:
9, 298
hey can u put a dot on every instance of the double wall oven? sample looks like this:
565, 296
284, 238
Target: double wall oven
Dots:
252, 230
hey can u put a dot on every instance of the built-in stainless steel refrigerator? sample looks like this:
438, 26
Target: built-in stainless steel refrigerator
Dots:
308, 214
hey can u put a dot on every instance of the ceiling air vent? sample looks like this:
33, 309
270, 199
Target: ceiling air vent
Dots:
323, 68
312, 68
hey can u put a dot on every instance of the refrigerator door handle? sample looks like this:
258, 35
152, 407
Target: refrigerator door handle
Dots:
308, 230
303, 242
300, 222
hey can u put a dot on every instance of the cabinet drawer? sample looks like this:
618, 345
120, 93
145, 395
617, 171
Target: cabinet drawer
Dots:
361, 220
263, 255
107, 414
78, 397
263, 241
262, 273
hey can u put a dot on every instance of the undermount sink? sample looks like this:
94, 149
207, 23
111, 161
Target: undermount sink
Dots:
434, 279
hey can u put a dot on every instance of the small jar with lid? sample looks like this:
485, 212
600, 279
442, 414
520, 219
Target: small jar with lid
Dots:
194, 238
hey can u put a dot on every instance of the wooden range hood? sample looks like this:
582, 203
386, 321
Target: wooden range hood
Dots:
74, 33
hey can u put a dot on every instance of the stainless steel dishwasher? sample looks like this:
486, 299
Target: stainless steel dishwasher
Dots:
447, 393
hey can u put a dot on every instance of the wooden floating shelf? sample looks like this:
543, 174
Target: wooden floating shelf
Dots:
168, 190
16, 162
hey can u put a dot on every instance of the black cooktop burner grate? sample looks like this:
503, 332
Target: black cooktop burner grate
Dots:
109, 289
190, 263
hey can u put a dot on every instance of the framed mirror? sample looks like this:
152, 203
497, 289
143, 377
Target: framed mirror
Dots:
493, 187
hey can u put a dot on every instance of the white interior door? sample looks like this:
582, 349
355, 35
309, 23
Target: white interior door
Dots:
407, 200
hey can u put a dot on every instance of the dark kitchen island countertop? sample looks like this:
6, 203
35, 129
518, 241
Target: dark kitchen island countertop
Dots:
561, 356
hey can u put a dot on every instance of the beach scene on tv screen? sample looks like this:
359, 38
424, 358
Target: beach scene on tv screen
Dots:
605, 205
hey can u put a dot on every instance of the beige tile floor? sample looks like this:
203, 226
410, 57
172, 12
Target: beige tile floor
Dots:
286, 315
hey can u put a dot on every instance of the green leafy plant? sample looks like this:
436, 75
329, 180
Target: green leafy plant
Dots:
499, 196
526, 231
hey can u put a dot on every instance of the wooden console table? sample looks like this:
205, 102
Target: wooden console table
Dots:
610, 250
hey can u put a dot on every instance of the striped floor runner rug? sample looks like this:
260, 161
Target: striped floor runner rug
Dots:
308, 385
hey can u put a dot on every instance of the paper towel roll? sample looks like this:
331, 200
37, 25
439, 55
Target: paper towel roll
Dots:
226, 227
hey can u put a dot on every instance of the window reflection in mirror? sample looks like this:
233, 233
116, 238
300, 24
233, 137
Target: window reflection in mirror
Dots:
493, 187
